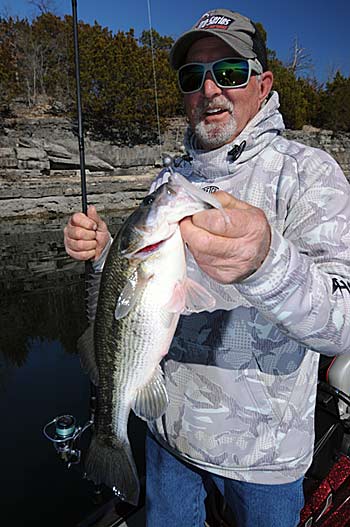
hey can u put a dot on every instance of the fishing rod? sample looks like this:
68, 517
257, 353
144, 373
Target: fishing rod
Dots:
63, 430
88, 268
93, 392
79, 109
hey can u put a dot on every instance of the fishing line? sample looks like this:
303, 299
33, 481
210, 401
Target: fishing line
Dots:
154, 76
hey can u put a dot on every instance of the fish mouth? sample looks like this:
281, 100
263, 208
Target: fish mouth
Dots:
145, 246
141, 253
159, 217
148, 249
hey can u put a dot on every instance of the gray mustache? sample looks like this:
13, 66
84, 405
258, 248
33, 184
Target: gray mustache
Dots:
219, 102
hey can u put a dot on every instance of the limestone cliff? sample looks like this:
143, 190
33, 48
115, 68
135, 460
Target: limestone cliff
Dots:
40, 171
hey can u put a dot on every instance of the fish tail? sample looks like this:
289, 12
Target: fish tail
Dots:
113, 466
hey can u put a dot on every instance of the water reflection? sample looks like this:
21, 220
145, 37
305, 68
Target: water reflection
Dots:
42, 313
42, 289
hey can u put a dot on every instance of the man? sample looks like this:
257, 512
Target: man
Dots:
242, 378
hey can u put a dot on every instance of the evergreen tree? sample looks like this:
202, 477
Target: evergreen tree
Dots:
157, 41
298, 96
9, 86
334, 110
127, 82
51, 36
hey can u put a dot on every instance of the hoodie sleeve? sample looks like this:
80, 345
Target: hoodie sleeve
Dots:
98, 264
303, 286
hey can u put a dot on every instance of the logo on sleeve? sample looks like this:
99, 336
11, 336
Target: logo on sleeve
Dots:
210, 189
340, 285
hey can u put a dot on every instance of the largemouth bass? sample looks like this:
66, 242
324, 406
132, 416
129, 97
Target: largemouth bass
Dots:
143, 291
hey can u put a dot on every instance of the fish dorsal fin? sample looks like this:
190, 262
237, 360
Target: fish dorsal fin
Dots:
152, 400
189, 297
92, 290
131, 291
86, 350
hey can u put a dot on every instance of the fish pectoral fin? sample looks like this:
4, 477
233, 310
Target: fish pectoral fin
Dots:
177, 302
152, 400
131, 291
167, 318
189, 297
86, 350
197, 297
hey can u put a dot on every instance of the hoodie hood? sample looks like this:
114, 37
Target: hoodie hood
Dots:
259, 132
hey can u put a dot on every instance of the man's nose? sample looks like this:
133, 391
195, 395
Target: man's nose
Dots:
210, 88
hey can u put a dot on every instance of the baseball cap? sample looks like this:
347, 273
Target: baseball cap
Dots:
238, 31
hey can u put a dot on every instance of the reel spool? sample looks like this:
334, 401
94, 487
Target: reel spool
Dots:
63, 432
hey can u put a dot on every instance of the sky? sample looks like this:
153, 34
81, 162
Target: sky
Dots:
321, 27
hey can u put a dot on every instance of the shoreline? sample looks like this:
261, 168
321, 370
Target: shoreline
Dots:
40, 173
60, 196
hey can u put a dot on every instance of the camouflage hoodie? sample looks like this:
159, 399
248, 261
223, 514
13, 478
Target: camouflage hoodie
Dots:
242, 379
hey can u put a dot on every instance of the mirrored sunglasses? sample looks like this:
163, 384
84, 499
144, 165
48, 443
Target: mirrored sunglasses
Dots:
227, 73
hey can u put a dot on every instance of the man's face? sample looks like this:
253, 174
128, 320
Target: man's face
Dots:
218, 115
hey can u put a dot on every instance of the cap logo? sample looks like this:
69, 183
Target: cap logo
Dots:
214, 22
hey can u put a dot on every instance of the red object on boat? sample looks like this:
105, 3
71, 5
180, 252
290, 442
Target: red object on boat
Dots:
328, 505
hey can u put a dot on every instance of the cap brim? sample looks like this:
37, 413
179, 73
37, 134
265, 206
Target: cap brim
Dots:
180, 49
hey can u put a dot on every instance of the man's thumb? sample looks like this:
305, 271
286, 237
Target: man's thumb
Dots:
231, 202
93, 215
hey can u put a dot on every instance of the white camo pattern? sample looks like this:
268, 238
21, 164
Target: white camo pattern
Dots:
242, 379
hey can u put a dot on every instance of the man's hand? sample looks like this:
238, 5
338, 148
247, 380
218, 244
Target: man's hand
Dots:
228, 249
85, 237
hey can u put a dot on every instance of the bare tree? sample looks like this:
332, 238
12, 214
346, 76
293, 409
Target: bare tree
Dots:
300, 61
332, 70
6, 11
44, 6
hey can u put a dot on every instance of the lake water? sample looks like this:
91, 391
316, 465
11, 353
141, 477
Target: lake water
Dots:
42, 314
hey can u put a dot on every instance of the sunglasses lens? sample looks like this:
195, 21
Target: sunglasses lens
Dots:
190, 77
228, 73
231, 73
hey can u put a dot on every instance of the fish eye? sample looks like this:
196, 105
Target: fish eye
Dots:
148, 200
